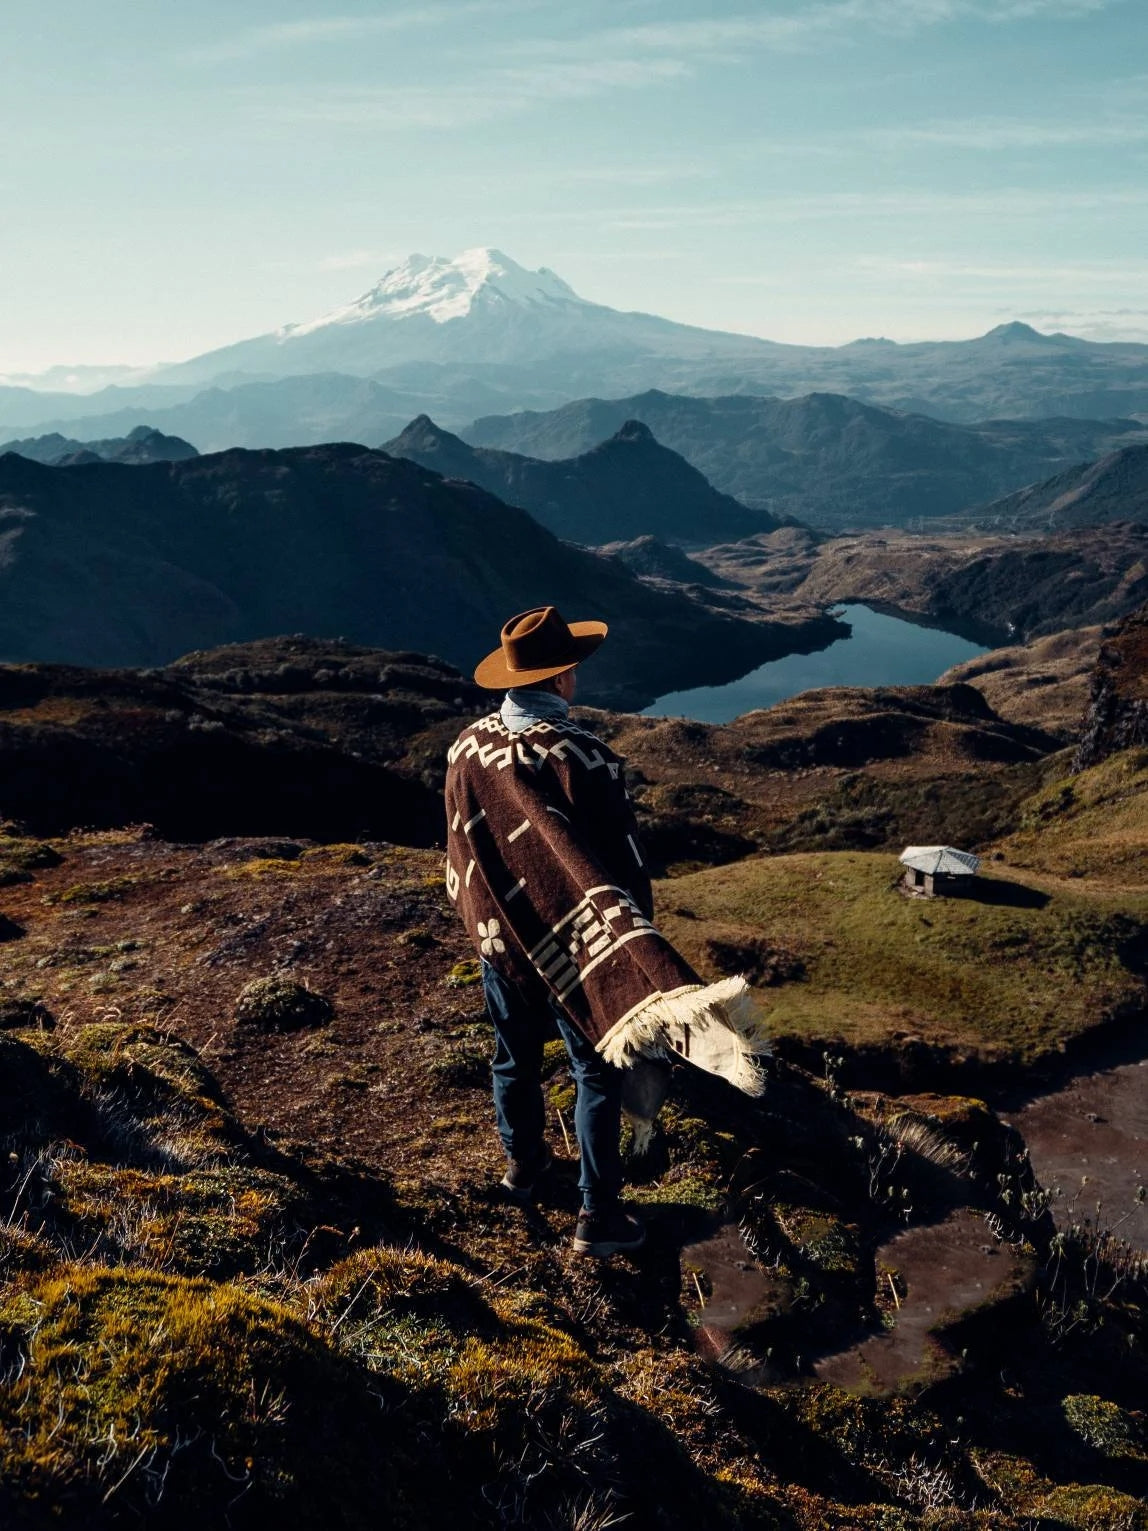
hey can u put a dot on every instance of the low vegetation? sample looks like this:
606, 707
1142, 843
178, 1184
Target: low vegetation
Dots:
255, 1268
1014, 971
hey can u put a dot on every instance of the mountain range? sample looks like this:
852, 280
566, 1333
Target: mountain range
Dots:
825, 459
464, 337
143, 444
110, 564
627, 486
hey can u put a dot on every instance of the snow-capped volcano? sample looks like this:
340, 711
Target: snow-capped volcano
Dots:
447, 289
480, 307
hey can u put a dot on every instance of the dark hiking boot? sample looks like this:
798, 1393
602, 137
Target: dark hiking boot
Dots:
607, 1233
522, 1175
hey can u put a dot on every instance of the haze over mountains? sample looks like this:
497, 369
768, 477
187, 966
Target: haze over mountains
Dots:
480, 334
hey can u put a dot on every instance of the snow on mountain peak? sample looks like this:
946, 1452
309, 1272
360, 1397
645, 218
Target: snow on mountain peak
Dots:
441, 289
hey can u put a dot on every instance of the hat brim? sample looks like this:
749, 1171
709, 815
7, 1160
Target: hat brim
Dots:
494, 674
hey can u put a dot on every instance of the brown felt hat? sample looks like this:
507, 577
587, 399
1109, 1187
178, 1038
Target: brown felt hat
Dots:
537, 644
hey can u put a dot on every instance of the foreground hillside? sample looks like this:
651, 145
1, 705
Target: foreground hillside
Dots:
115, 565
1045, 683
254, 1266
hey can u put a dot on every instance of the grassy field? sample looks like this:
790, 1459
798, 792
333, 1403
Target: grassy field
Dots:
1093, 825
1017, 972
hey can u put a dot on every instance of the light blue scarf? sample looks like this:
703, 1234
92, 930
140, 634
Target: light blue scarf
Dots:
522, 707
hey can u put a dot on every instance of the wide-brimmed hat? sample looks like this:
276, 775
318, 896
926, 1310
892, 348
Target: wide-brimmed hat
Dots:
537, 644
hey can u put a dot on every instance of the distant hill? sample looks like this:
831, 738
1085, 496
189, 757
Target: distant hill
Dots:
653, 559
1113, 489
629, 486
292, 411
117, 565
825, 459
143, 444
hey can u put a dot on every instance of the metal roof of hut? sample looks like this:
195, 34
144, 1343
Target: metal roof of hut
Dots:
943, 859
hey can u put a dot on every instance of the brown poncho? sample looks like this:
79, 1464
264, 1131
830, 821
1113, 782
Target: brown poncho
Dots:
545, 868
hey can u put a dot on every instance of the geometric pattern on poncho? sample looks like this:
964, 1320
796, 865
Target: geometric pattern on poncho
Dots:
544, 866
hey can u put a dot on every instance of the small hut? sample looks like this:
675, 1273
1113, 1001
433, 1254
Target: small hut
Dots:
939, 870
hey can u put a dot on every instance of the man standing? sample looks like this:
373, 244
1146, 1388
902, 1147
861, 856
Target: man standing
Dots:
544, 866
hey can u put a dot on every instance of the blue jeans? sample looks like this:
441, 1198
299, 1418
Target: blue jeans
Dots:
521, 1028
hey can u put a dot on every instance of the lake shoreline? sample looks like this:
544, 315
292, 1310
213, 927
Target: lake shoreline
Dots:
881, 649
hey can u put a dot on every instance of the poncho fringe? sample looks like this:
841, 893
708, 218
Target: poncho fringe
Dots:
718, 1027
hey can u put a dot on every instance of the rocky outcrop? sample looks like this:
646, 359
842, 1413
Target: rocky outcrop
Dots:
1117, 717
299, 738
653, 559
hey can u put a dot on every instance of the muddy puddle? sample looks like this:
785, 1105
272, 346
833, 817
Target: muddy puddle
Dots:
734, 1292
1088, 1145
927, 1278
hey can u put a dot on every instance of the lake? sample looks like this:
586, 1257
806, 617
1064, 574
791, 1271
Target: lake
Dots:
880, 651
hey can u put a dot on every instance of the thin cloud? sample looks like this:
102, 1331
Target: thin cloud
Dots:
1005, 203
994, 133
500, 93
635, 175
801, 28
309, 32
1113, 324
352, 260
1092, 273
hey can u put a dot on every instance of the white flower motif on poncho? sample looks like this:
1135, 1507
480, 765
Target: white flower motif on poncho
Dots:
489, 935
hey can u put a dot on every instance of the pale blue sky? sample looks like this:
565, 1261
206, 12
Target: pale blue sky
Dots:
183, 173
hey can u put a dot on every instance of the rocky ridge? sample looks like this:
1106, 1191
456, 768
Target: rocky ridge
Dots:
1117, 717
832, 461
997, 589
625, 487
1114, 488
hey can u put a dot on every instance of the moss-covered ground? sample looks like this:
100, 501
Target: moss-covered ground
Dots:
257, 1277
